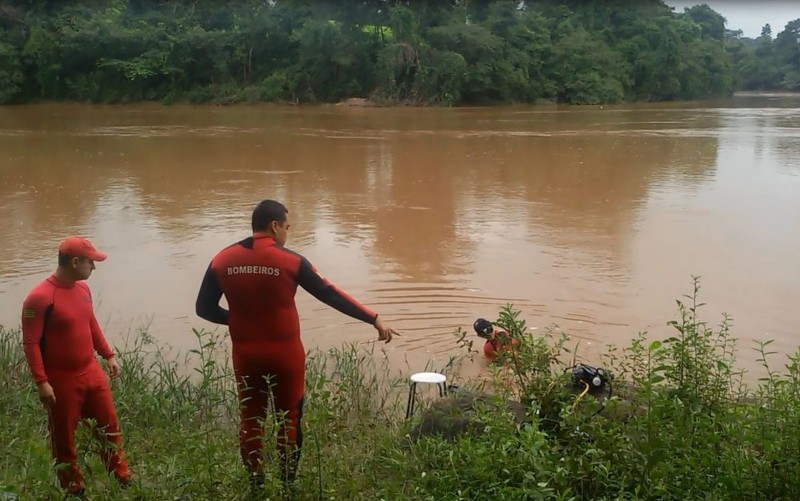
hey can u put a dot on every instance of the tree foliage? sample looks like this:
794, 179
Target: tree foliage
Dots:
765, 63
399, 51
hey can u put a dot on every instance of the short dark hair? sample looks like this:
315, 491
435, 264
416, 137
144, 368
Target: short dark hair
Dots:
266, 212
65, 259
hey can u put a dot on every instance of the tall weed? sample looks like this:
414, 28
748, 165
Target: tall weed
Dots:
681, 424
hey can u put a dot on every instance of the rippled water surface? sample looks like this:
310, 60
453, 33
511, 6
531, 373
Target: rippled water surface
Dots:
591, 218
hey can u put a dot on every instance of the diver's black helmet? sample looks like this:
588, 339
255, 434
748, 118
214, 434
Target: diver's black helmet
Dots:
483, 327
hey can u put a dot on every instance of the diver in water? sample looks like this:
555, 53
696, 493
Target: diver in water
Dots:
498, 341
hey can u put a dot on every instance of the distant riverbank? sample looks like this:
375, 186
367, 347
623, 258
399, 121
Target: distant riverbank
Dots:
448, 54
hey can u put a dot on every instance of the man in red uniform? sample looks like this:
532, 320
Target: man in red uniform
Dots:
259, 278
60, 336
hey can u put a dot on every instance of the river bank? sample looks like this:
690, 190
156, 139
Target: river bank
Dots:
691, 430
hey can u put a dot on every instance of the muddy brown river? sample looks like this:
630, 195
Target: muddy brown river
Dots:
590, 218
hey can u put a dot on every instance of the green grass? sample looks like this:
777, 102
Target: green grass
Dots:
684, 427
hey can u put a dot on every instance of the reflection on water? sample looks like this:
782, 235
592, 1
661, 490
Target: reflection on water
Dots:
591, 218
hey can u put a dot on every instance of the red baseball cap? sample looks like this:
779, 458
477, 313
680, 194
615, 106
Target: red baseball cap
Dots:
80, 247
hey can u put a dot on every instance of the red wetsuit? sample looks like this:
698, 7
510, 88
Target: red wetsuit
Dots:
259, 279
499, 343
60, 335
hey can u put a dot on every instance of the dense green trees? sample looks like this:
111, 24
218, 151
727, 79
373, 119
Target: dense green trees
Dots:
766, 63
397, 51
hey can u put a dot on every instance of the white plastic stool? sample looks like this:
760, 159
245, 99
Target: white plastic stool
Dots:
439, 380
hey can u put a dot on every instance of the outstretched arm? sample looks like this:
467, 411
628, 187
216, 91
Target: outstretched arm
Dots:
309, 279
207, 304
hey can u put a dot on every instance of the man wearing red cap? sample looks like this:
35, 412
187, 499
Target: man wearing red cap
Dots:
60, 336
259, 278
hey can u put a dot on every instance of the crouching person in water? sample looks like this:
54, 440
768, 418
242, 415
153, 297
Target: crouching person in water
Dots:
60, 336
498, 341
259, 278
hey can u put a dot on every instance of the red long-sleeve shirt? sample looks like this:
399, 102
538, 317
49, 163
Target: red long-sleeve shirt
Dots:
59, 329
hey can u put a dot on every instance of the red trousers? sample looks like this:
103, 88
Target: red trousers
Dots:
279, 378
84, 396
